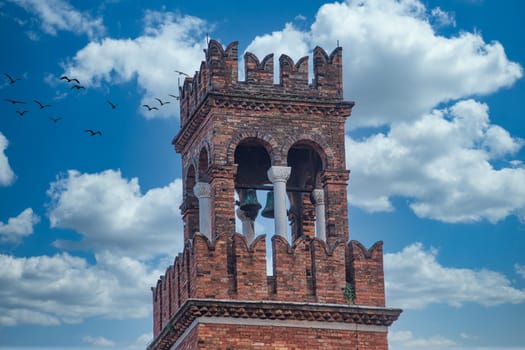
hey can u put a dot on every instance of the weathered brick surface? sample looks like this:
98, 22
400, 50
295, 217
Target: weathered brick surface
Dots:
290, 267
365, 268
219, 113
244, 337
329, 271
250, 273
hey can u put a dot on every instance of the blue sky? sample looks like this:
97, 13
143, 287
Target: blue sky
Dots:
435, 145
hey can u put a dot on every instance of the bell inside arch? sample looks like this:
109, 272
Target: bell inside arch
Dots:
268, 211
250, 205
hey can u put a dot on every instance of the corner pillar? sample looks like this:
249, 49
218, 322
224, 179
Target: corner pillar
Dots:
320, 221
203, 191
278, 175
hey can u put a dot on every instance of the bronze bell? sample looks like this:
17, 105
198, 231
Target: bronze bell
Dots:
268, 211
250, 205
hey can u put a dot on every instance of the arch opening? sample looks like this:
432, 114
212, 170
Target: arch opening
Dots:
307, 166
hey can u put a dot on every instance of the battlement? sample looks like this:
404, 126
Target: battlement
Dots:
308, 271
218, 73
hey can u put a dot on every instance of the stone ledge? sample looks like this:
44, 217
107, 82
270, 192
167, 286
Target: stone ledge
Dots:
270, 310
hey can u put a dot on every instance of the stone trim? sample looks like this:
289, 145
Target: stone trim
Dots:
260, 102
372, 318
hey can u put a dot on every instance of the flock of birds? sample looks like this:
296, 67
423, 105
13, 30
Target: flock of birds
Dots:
75, 85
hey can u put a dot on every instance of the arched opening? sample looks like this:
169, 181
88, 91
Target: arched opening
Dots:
307, 166
251, 181
190, 205
203, 165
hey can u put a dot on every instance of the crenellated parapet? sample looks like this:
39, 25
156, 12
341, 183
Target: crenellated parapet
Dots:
308, 271
218, 74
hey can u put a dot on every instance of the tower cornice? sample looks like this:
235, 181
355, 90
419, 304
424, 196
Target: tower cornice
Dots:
281, 104
192, 309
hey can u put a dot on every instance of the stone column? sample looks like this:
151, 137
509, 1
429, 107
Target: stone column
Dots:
203, 191
320, 222
278, 175
247, 225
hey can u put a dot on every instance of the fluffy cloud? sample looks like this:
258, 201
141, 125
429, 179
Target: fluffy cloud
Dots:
406, 338
169, 42
437, 161
65, 289
130, 234
289, 41
520, 270
7, 176
397, 67
58, 15
18, 227
98, 341
111, 213
414, 279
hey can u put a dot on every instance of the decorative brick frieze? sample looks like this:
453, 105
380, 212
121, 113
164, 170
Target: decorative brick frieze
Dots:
351, 315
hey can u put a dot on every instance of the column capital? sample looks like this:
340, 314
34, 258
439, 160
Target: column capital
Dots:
318, 196
202, 190
279, 173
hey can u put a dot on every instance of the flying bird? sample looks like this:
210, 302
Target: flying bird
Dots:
21, 113
175, 97
182, 73
11, 80
42, 106
69, 80
150, 108
55, 119
113, 106
161, 102
78, 87
93, 132
14, 101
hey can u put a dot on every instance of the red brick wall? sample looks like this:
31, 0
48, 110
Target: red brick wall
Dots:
329, 272
244, 337
308, 271
365, 267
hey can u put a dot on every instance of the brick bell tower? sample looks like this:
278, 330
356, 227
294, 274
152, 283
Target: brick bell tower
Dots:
283, 142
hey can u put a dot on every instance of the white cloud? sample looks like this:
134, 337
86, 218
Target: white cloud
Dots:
520, 270
289, 41
169, 42
407, 339
415, 279
7, 176
59, 15
65, 289
18, 227
395, 65
112, 214
129, 233
436, 161
98, 341
442, 18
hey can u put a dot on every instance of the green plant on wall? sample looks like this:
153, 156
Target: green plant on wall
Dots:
349, 293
